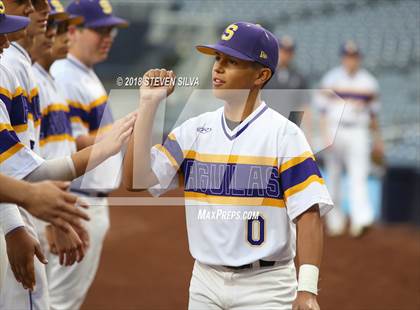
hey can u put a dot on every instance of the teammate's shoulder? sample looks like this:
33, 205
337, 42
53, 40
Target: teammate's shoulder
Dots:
7, 79
279, 120
280, 124
63, 70
200, 119
189, 127
334, 72
368, 76
4, 71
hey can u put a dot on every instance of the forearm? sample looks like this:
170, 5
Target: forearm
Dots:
12, 190
85, 141
139, 147
374, 127
310, 237
59, 169
89, 158
309, 249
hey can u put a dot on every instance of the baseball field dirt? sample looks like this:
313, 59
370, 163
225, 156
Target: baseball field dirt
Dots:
146, 265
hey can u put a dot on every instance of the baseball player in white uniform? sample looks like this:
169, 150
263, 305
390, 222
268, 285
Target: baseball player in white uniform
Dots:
90, 117
241, 158
20, 161
350, 147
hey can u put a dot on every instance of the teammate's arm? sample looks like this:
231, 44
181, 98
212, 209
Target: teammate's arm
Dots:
309, 253
378, 144
45, 200
68, 246
21, 249
140, 143
88, 158
110, 144
85, 141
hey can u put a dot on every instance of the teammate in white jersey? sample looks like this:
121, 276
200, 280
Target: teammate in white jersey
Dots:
90, 117
56, 140
350, 148
242, 157
20, 161
45, 200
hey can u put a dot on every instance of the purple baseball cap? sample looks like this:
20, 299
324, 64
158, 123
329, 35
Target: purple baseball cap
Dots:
11, 23
60, 15
97, 13
246, 41
350, 48
57, 12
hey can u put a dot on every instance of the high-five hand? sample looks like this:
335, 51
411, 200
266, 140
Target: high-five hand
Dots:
157, 84
118, 136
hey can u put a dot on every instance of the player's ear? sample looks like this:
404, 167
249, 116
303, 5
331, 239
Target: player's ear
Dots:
263, 76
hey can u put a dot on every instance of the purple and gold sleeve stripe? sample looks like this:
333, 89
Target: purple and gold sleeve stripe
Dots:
100, 117
9, 142
78, 113
56, 138
56, 124
5, 93
298, 173
172, 150
34, 106
17, 107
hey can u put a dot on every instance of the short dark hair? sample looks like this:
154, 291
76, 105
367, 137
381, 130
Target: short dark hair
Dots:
257, 66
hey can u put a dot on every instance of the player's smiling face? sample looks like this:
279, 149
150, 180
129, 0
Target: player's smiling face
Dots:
39, 18
61, 43
43, 43
230, 73
94, 43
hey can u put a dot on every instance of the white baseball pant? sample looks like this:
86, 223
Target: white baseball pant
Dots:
68, 285
217, 288
12, 294
351, 150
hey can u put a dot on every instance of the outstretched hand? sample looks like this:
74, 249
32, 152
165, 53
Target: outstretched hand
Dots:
119, 135
21, 249
50, 202
67, 245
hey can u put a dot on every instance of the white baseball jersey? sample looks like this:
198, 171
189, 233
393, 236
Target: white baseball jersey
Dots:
13, 296
360, 92
264, 165
16, 158
56, 140
17, 60
89, 114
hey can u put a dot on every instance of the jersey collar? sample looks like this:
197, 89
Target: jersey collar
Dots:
232, 134
44, 72
22, 51
77, 63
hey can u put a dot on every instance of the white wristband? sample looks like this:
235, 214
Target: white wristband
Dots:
10, 218
308, 279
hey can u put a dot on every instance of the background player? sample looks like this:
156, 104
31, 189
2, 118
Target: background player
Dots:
273, 171
90, 118
286, 75
351, 148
